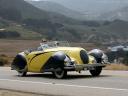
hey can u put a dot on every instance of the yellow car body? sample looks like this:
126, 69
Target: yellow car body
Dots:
55, 58
35, 65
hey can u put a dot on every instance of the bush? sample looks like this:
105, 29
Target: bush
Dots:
3, 60
9, 34
10, 14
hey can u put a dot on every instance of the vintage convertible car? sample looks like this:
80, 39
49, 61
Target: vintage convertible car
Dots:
58, 58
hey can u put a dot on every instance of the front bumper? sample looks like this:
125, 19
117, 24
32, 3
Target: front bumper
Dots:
79, 67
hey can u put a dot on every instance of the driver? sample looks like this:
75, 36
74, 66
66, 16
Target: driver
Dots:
43, 44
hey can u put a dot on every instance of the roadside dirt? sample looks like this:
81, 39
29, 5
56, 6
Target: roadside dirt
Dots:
116, 67
15, 93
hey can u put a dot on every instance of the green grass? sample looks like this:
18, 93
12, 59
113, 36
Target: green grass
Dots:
25, 33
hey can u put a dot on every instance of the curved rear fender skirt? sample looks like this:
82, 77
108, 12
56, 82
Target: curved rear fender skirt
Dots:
97, 54
57, 59
19, 62
84, 57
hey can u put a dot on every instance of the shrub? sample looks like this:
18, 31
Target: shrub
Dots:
9, 34
3, 60
10, 14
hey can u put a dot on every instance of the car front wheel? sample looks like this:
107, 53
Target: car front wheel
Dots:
60, 73
22, 74
96, 71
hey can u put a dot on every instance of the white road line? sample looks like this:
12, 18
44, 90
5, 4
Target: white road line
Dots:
66, 85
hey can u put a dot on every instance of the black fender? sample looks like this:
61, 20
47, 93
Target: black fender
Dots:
59, 56
55, 61
97, 53
19, 62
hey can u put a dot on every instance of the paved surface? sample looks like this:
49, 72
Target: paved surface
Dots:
110, 83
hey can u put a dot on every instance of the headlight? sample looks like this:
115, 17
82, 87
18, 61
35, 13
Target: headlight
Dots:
94, 61
68, 61
104, 59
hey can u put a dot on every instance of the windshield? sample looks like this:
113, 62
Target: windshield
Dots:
52, 44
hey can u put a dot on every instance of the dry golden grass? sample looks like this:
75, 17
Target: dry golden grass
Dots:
12, 47
116, 67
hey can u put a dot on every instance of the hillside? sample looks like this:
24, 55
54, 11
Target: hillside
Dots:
121, 14
58, 8
13, 17
21, 20
92, 8
13, 30
107, 32
19, 9
24, 18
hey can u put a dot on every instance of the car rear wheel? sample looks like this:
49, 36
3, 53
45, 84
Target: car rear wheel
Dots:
96, 71
60, 73
22, 73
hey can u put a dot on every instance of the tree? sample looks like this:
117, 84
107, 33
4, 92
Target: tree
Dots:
11, 14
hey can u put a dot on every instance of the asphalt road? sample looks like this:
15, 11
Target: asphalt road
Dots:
110, 83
